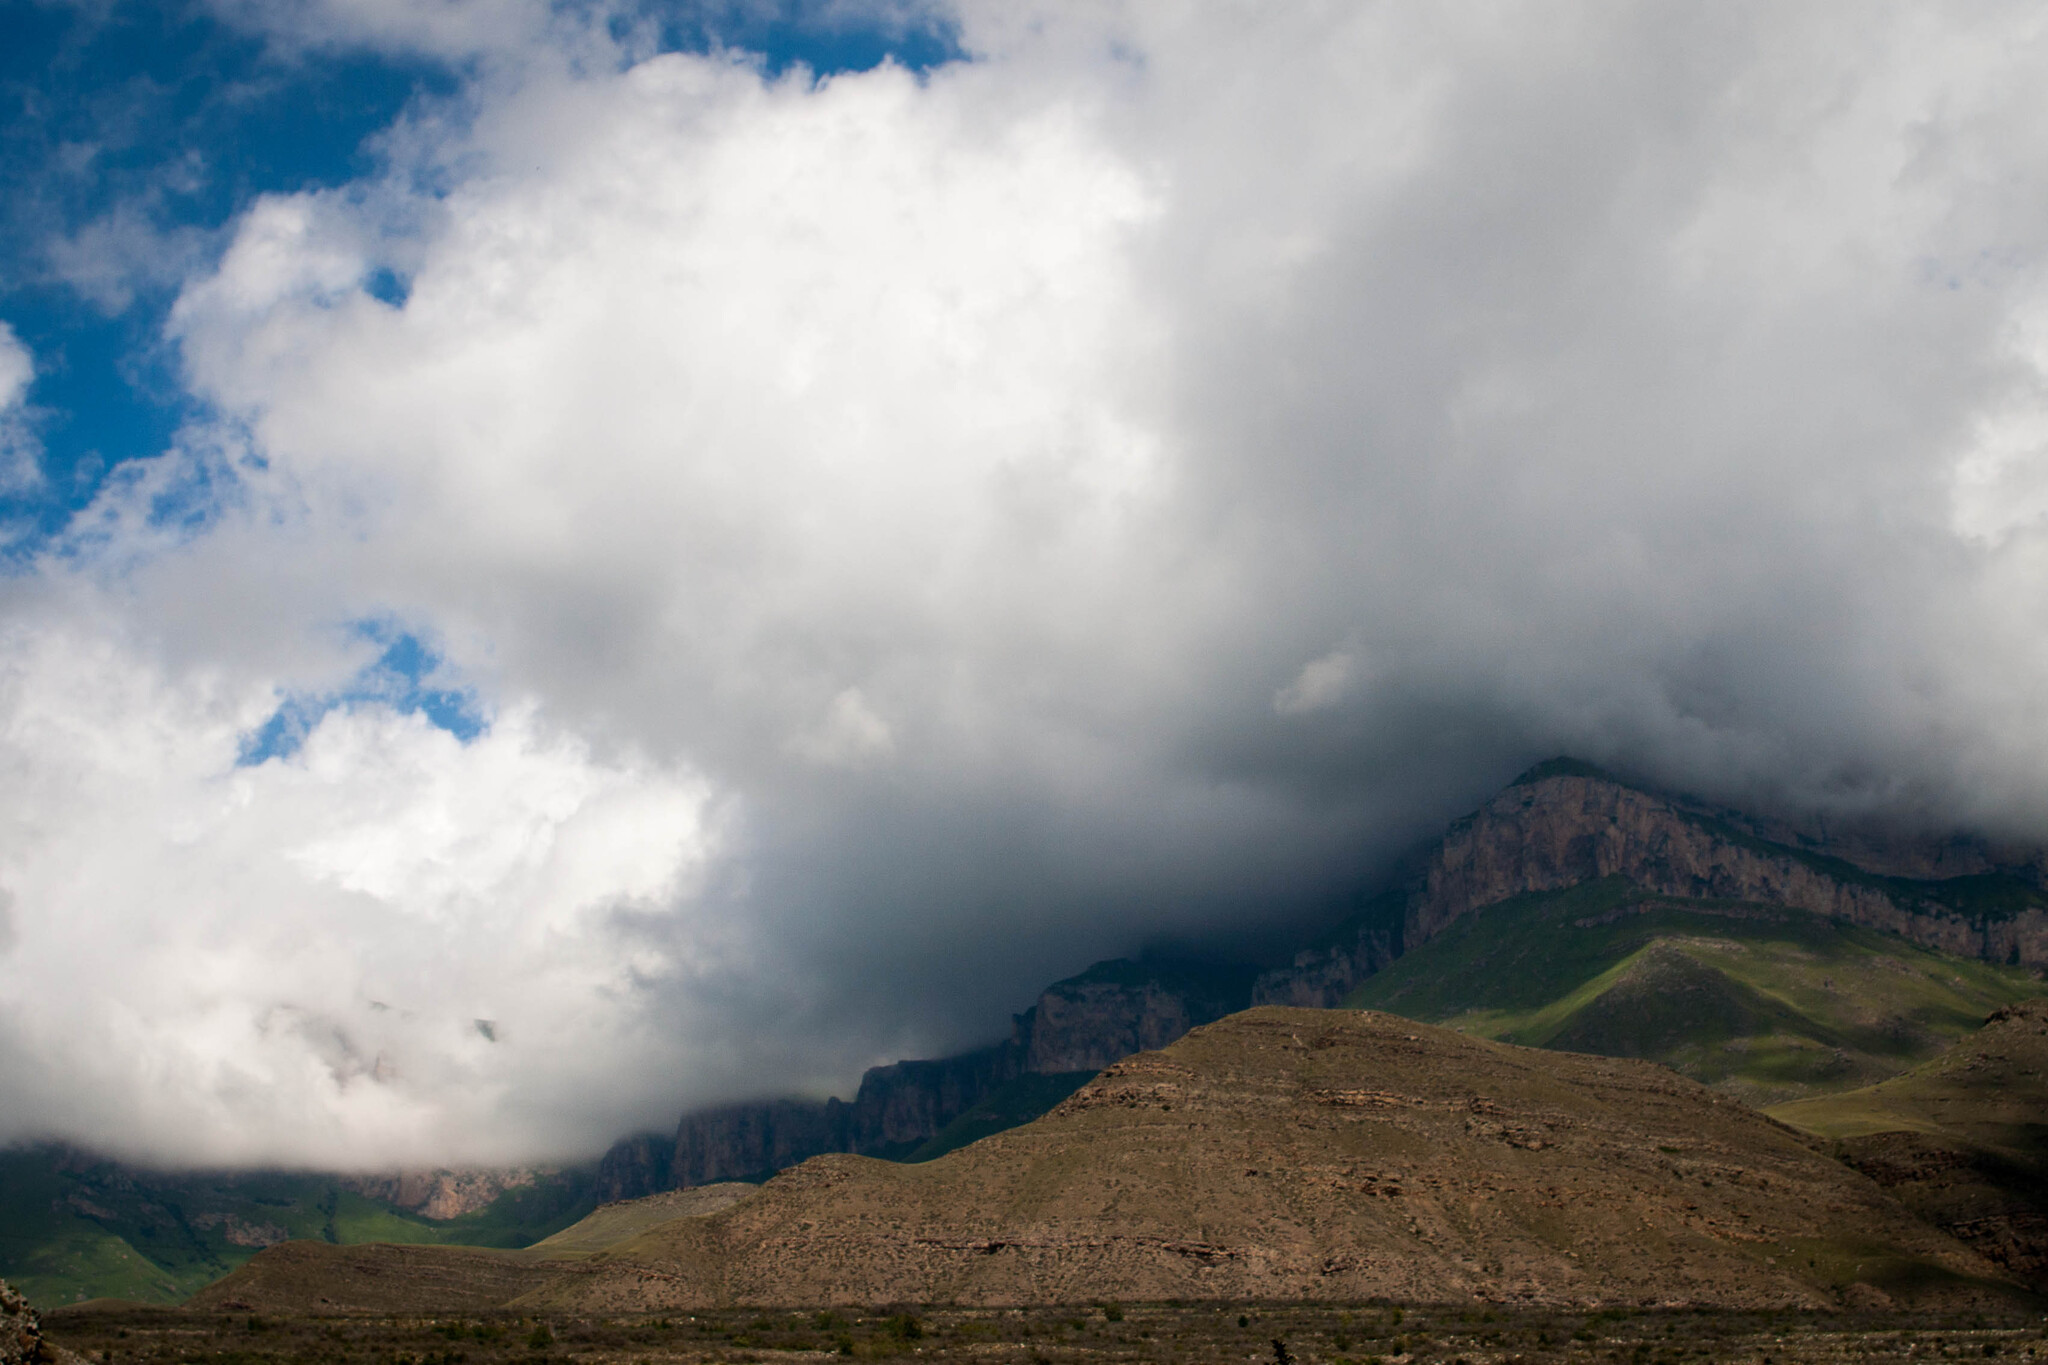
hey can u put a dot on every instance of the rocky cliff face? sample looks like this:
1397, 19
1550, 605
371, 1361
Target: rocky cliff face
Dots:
443, 1193
635, 1166
896, 1109
1559, 831
1323, 974
1563, 824
1081, 1024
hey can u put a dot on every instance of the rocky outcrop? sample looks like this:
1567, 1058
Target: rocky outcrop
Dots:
21, 1331
898, 1107
440, 1194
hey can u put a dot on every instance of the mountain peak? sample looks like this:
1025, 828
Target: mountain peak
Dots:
1565, 766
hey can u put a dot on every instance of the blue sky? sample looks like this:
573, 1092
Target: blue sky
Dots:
133, 135
164, 121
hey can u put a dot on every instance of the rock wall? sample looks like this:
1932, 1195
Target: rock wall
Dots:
635, 1166
1320, 978
1557, 832
898, 1107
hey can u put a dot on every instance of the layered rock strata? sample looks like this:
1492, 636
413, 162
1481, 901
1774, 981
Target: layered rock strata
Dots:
1563, 824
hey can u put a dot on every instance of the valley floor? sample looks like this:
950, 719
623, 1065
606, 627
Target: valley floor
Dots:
1248, 1334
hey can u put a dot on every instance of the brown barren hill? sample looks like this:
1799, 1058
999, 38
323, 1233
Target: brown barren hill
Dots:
1305, 1154
319, 1278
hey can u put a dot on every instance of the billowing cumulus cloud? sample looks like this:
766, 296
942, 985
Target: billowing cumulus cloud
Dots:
910, 534
383, 948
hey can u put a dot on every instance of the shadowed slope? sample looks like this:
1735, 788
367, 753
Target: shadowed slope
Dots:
318, 1278
1962, 1140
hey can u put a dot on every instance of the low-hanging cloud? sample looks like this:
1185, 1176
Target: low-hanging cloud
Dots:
914, 533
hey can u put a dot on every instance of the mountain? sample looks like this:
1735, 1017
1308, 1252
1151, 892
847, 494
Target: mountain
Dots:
1560, 827
74, 1226
1278, 1154
1962, 1140
1575, 910
1765, 1002
1566, 823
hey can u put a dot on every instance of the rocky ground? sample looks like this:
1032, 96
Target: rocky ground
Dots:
1098, 1334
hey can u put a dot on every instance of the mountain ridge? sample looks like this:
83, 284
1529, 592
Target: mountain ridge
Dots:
1559, 824
1278, 1154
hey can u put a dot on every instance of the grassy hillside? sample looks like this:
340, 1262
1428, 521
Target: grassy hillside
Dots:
1764, 1002
1962, 1140
1988, 1091
73, 1228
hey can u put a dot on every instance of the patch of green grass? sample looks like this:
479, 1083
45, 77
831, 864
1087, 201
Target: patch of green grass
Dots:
1764, 1001
73, 1228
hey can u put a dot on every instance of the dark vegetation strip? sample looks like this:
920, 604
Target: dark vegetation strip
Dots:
1259, 1334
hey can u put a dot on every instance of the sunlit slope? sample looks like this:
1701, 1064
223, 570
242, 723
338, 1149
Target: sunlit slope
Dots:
1764, 1002
614, 1223
73, 1228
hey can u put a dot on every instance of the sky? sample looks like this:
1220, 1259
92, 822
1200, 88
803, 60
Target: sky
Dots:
560, 562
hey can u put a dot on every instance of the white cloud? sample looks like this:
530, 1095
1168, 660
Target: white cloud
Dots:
1321, 684
847, 736
948, 469
17, 368
20, 452
286, 962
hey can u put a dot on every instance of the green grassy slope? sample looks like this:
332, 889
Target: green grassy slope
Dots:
1765, 1002
1988, 1091
1962, 1140
72, 1228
